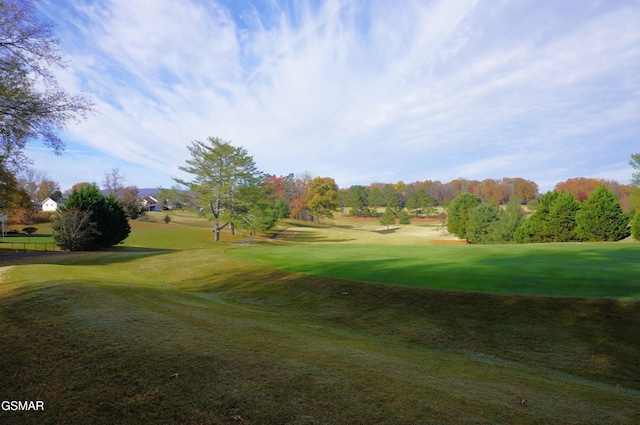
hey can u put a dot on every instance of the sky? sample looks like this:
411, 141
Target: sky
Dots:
361, 91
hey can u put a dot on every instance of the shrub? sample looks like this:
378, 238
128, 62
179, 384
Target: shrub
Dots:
73, 230
112, 226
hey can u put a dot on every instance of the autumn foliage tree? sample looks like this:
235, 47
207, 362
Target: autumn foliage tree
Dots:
579, 187
323, 196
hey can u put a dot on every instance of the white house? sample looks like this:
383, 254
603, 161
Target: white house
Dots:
149, 203
49, 205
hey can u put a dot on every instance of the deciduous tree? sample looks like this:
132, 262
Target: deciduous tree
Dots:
32, 104
323, 196
635, 227
635, 163
114, 182
74, 230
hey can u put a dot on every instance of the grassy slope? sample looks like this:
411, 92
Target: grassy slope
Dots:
98, 336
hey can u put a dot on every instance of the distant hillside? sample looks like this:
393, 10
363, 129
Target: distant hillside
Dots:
148, 191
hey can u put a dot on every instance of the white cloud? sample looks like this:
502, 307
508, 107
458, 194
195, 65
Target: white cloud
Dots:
360, 91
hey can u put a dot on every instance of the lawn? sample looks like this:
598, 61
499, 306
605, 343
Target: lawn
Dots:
578, 269
173, 328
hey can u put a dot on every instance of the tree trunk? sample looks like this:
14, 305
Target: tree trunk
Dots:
216, 231
232, 229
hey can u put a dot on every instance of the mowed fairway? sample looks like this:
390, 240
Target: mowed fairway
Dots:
171, 328
571, 270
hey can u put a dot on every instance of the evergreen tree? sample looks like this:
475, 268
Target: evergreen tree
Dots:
388, 217
403, 217
553, 221
375, 198
419, 203
391, 197
111, 224
458, 213
358, 201
511, 218
283, 210
482, 224
562, 219
600, 217
220, 173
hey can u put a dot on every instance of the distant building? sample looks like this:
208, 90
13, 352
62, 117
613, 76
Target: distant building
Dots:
149, 203
49, 205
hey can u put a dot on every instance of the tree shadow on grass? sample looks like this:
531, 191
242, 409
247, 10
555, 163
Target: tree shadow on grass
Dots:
592, 338
308, 236
111, 256
386, 231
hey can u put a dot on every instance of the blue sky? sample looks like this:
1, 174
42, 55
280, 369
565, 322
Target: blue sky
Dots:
361, 91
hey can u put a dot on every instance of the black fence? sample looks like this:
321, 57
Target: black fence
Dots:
27, 247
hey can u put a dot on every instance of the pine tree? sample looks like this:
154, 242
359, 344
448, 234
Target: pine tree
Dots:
600, 217
553, 221
482, 224
403, 217
388, 217
221, 173
511, 218
458, 213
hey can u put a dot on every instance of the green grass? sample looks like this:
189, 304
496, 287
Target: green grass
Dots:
580, 270
98, 337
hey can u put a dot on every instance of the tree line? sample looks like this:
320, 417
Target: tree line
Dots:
558, 217
226, 183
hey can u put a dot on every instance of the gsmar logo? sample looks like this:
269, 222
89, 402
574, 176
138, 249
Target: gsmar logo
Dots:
22, 405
